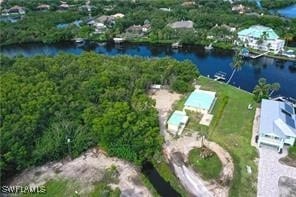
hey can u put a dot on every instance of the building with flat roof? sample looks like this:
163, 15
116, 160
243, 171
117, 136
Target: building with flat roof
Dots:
182, 25
277, 124
177, 122
200, 101
261, 38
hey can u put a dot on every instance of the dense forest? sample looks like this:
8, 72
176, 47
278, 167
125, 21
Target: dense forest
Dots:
90, 99
206, 15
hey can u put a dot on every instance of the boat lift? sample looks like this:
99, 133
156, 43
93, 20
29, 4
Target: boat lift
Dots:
220, 76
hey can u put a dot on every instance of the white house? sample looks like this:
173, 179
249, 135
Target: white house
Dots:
200, 101
177, 122
261, 38
277, 124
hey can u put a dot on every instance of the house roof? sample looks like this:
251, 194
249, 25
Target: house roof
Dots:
277, 118
201, 99
257, 31
181, 25
178, 118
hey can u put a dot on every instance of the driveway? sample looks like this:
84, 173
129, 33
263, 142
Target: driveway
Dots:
270, 171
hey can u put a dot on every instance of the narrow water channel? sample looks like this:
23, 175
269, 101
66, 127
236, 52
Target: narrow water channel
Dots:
207, 62
161, 186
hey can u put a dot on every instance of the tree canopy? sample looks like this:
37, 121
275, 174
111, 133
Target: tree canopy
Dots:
90, 99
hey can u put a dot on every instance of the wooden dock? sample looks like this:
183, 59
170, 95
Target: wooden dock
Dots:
254, 56
220, 76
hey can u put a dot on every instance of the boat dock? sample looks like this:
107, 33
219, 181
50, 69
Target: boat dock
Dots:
254, 56
220, 76
176, 45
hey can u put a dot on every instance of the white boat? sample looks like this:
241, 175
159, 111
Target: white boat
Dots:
209, 47
79, 40
176, 45
118, 40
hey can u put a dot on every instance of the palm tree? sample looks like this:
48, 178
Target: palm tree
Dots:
274, 87
236, 64
264, 90
261, 90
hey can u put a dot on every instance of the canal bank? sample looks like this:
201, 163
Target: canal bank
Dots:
208, 62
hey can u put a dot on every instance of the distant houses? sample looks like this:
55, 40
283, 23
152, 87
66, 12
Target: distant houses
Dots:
261, 38
182, 25
240, 8
43, 7
15, 10
277, 124
64, 5
138, 29
101, 23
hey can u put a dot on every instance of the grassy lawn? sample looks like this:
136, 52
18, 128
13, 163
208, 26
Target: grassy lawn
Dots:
209, 167
231, 127
57, 188
61, 188
292, 152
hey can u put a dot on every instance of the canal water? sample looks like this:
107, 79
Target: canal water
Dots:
208, 63
289, 12
162, 187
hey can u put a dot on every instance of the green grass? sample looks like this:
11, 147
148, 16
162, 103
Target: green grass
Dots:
149, 185
231, 127
208, 168
292, 152
58, 188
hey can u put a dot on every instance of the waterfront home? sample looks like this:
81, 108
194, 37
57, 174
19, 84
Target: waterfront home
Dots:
64, 5
201, 101
277, 124
138, 29
107, 20
16, 10
182, 25
99, 27
177, 122
118, 15
165, 9
239, 8
43, 7
188, 3
261, 38
228, 28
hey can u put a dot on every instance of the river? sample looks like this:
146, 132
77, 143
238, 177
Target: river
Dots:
208, 63
289, 12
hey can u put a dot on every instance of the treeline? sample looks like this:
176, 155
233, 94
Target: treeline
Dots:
273, 4
41, 26
89, 99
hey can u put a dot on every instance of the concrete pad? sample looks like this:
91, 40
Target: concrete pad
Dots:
206, 119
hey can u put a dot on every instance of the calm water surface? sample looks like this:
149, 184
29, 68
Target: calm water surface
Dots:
289, 12
208, 63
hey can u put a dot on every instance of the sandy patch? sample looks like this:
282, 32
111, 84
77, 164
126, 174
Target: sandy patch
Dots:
87, 169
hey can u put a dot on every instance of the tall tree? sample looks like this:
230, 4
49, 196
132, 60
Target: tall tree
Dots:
236, 64
263, 90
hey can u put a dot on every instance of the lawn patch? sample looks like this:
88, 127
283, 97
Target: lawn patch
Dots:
205, 162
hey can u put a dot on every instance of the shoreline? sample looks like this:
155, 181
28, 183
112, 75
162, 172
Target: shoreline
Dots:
164, 42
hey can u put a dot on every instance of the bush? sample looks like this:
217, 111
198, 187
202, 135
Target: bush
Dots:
292, 152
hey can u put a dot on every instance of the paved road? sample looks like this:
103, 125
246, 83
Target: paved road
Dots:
270, 170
